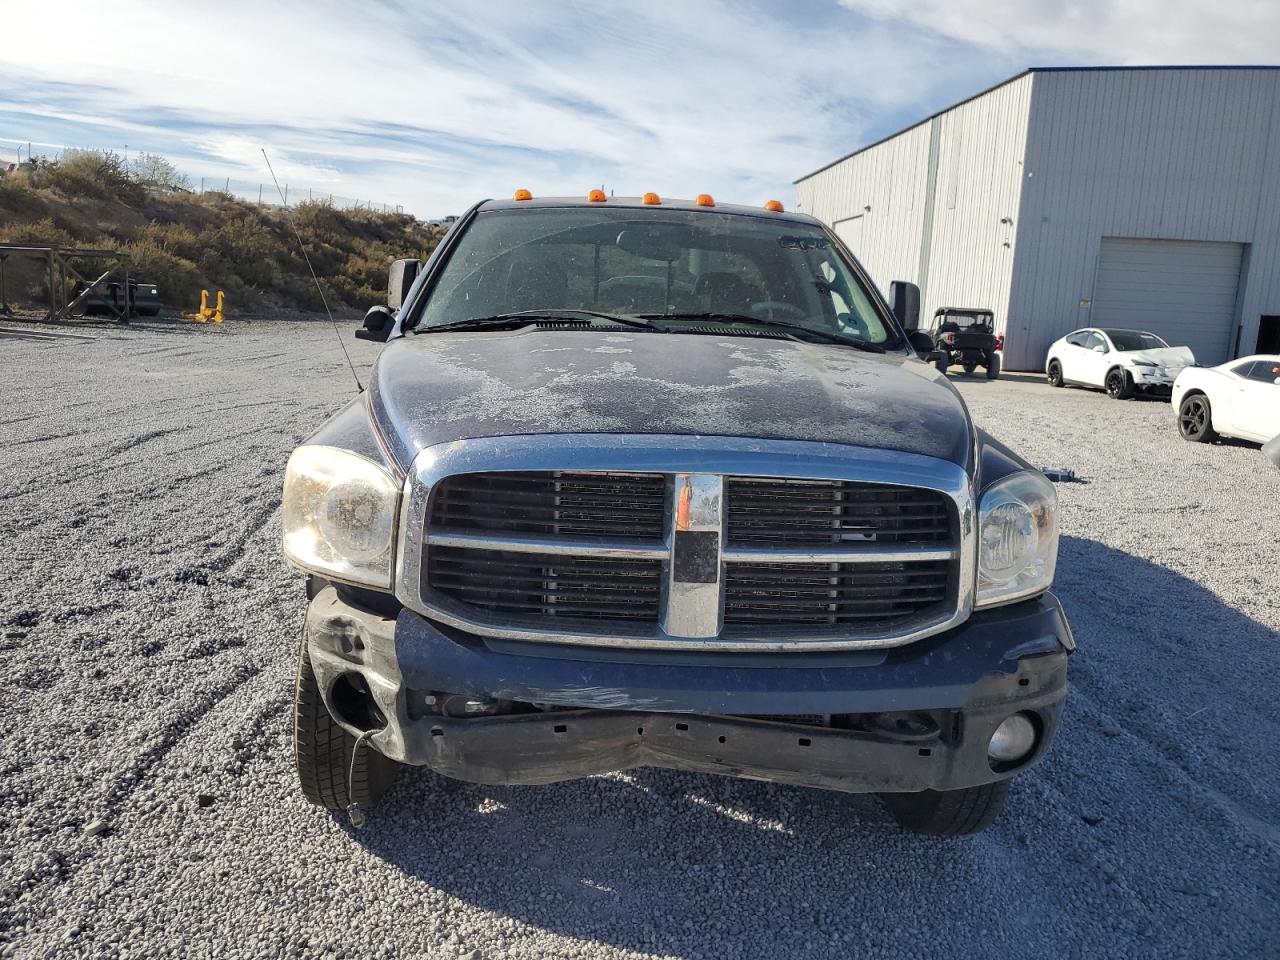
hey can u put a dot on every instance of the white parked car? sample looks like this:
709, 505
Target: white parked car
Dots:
1240, 398
1122, 362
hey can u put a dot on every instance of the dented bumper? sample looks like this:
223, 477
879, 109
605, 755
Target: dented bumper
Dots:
792, 718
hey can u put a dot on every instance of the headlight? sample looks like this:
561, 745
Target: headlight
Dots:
340, 516
1144, 363
1017, 539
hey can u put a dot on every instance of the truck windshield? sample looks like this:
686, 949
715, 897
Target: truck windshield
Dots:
683, 266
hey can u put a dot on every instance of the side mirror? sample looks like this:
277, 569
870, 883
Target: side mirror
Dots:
378, 324
1099, 348
921, 342
906, 303
399, 280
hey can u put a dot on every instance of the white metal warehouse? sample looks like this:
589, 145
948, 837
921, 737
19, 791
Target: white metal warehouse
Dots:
1130, 197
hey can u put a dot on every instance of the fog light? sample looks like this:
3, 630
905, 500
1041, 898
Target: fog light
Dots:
1013, 739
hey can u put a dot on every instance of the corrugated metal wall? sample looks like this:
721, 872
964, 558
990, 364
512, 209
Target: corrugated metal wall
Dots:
1068, 157
1177, 154
937, 194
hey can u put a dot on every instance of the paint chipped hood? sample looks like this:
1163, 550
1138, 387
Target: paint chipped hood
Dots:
1173, 358
434, 388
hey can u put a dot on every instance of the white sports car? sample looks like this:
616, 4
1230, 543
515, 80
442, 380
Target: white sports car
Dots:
1240, 398
1122, 362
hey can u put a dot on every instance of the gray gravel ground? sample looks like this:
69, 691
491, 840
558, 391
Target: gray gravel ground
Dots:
147, 639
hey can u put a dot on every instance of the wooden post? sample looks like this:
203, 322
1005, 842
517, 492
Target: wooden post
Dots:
124, 263
53, 306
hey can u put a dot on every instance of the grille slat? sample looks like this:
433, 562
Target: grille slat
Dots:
607, 506
547, 585
763, 597
768, 513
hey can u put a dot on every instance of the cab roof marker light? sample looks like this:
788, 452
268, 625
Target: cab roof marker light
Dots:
523, 194
596, 196
652, 199
774, 206
704, 200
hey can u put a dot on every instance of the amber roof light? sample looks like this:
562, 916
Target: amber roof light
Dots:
651, 198
774, 206
523, 194
597, 196
704, 200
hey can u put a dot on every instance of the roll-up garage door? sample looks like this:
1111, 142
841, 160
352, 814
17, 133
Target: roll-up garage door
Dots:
1183, 290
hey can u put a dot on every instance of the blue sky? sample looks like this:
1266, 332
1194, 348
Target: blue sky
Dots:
432, 105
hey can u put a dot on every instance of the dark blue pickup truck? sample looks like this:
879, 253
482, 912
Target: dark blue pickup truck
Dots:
639, 482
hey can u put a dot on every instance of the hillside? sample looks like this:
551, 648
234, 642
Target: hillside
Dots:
184, 241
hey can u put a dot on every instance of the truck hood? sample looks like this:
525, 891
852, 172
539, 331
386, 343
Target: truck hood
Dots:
1174, 357
434, 388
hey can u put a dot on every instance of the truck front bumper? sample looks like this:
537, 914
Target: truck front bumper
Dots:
904, 719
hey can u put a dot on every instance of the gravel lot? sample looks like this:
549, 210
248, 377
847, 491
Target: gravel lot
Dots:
147, 638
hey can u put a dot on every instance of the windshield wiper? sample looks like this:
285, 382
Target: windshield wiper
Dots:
522, 318
794, 330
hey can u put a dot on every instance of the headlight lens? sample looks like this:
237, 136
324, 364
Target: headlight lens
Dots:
1017, 539
340, 515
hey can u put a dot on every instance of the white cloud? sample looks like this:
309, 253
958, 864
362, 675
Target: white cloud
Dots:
435, 104
1118, 32
673, 97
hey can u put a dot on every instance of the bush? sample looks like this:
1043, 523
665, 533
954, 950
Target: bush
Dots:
42, 232
242, 250
17, 198
98, 176
153, 170
182, 241
179, 280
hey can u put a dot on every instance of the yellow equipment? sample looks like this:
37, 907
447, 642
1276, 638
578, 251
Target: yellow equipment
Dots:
206, 314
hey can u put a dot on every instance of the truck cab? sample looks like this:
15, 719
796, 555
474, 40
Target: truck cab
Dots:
641, 482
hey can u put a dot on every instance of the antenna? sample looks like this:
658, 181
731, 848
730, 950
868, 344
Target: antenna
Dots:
301, 246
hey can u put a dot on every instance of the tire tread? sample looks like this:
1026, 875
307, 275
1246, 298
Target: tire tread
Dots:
322, 750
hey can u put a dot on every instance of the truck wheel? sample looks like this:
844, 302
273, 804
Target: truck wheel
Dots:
949, 813
1119, 385
943, 361
993, 366
322, 751
970, 367
1055, 374
1195, 419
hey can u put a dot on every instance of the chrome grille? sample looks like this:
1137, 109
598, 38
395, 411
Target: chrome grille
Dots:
764, 597
607, 540
764, 512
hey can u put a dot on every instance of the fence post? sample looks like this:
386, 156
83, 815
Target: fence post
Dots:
286, 194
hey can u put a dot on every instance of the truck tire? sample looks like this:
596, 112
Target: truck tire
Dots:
970, 367
322, 751
1119, 384
943, 361
948, 813
993, 366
